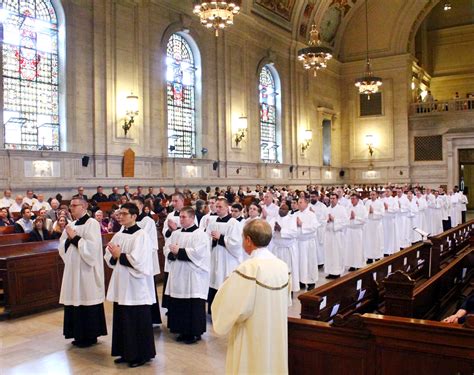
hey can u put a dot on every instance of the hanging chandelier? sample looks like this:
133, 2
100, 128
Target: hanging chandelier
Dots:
315, 57
216, 14
368, 84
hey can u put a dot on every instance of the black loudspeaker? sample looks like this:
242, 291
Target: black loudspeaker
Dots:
215, 165
342, 172
291, 168
85, 161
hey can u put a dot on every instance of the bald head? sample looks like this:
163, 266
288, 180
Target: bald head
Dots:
256, 233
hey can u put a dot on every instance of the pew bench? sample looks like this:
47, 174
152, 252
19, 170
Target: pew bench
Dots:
362, 291
9, 229
429, 300
14, 238
377, 344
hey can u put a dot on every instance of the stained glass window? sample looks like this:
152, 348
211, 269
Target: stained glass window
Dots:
181, 97
268, 96
30, 75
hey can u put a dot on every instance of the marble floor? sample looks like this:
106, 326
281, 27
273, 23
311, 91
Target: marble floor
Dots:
35, 345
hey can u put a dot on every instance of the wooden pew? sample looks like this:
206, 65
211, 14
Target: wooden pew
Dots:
9, 239
376, 344
362, 291
430, 299
9, 229
419, 262
447, 244
106, 206
32, 275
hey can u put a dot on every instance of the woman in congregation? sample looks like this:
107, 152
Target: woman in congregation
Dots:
58, 227
39, 232
254, 211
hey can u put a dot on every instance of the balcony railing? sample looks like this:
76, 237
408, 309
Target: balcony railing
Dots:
441, 106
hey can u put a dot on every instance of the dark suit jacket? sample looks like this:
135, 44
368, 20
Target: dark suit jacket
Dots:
35, 236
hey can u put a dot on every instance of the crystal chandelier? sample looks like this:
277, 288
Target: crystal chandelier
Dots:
368, 84
315, 57
216, 14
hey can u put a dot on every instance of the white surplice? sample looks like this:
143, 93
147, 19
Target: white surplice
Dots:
402, 222
132, 285
390, 235
414, 220
373, 235
83, 276
321, 211
354, 248
258, 340
284, 246
436, 218
149, 226
307, 249
335, 241
189, 279
225, 258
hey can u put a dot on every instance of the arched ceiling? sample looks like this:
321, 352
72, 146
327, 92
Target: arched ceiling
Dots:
392, 23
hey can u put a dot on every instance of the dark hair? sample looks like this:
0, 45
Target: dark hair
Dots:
24, 208
131, 207
238, 206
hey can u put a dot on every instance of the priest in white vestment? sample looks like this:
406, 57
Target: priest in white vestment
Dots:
354, 248
169, 226
226, 247
82, 288
258, 340
269, 208
211, 216
335, 240
374, 229
389, 223
403, 232
132, 290
321, 211
436, 206
7, 199
147, 223
188, 250
283, 244
422, 208
307, 224
413, 217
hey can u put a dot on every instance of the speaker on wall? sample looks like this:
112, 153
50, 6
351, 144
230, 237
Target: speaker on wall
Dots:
215, 165
342, 172
85, 161
291, 168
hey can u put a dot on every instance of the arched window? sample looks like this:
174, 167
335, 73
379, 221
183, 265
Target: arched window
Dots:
181, 70
269, 115
30, 75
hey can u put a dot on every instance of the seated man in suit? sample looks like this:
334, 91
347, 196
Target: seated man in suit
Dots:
24, 224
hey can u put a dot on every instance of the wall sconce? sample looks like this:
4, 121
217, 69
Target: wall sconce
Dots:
369, 141
241, 130
308, 137
131, 112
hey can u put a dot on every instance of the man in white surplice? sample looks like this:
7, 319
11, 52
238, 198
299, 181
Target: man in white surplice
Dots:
149, 226
390, 237
226, 247
413, 217
284, 244
354, 254
188, 250
402, 219
436, 206
374, 229
307, 224
82, 288
335, 241
321, 211
258, 340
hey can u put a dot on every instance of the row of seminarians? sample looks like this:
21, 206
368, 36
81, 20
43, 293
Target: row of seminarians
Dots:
346, 234
130, 253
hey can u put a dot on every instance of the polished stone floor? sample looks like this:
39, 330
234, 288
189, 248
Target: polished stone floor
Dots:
35, 345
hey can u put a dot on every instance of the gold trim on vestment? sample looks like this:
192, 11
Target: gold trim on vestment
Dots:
260, 283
